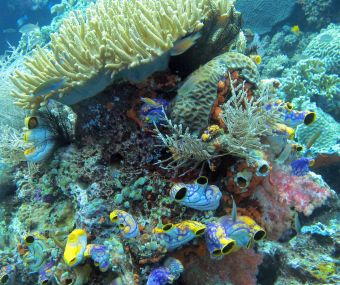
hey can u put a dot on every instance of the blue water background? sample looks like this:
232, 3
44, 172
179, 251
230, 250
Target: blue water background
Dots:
9, 17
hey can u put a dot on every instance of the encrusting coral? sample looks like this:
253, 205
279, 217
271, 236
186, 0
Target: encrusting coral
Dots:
109, 42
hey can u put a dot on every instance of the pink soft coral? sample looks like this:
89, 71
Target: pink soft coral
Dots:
276, 216
304, 193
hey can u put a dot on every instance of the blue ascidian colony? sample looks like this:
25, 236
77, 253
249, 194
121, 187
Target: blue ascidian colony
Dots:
184, 142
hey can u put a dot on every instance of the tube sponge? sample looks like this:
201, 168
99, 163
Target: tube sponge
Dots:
112, 37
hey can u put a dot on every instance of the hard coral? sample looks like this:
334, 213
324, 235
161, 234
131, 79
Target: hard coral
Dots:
196, 96
109, 42
326, 47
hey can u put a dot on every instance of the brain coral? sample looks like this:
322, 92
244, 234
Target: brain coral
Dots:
194, 100
326, 47
113, 37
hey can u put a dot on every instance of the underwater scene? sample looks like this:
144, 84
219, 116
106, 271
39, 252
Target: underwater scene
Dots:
154, 142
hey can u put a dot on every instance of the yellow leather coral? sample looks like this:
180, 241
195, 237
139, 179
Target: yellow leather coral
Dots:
127, 39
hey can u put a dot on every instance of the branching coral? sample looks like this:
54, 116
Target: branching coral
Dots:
111, 39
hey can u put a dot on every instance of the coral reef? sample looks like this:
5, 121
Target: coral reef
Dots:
189, 175
241, 120
10, 114
237, 268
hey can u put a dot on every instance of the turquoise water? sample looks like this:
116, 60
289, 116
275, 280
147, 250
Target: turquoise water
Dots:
169, 142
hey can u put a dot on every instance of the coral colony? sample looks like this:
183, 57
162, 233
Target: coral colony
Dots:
133, 169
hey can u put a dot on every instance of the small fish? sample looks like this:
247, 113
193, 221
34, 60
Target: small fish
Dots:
313, 139
28, 28
234, 211
150, 102
184, 44
256, 58
297, 223
9, 31
49, 86
22, 20
152, 111
295, 29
